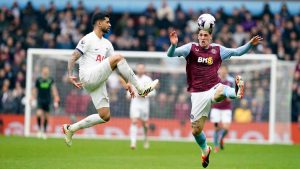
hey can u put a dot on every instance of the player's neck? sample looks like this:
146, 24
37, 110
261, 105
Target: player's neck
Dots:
205, 47
98, 33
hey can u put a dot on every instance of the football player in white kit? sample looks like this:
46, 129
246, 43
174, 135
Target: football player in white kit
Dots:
97, 61
139, 109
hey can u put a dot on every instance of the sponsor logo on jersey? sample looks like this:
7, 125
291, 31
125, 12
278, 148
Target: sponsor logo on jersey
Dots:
100, 58
208, 60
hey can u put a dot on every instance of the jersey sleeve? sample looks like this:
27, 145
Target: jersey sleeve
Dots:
110, 51
226, 53
52, 81
183, 50
82, 45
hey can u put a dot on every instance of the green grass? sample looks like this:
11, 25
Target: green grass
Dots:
32, 153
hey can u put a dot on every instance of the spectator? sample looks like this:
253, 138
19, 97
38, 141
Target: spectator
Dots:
165, 15
7, 103
249, 23
239, 36
243, 114
162, 108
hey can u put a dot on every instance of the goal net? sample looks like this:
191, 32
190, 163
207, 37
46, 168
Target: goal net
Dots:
265, 116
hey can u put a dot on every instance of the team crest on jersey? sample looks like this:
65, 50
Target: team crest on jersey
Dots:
213, 51
208, 60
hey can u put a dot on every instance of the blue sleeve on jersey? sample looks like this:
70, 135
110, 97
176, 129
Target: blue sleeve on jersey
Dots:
226, 53
183, 50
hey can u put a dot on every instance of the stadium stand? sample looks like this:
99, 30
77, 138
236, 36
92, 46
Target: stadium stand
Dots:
23, 28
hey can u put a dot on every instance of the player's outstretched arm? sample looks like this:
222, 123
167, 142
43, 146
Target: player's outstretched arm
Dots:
174, 40
72, 79
56, 97
181, 51
228, 52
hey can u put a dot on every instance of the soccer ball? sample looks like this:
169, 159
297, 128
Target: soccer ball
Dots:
206, 22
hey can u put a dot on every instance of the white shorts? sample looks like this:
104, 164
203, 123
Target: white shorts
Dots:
201, 103
218, 115
94, 81
140, 111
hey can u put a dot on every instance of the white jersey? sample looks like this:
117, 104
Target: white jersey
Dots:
94, 67
94, 50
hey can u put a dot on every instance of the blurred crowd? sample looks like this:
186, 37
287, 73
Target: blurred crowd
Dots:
23, 28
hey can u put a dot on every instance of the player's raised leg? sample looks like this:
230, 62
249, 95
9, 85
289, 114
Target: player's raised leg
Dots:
224, 91
119, 62
197, 127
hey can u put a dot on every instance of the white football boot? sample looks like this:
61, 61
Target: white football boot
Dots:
149, 88
68, 134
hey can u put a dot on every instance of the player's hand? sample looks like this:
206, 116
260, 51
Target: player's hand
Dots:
173, 38
256, 40
72, 79
130, 90
56, 105
56, 102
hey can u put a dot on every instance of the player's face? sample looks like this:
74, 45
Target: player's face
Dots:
204, 38
45, 72
105, 25
140, 69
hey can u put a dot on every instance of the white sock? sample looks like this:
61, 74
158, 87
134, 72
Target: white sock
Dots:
89, 121
127, 73
133, 133
145, 134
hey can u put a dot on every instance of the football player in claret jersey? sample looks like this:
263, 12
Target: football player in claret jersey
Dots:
139, 110
97, 61
203, 60
221, 113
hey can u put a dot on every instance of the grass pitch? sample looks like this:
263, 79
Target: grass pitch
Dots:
32, 153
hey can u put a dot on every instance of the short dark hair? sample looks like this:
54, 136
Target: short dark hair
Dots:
99, 16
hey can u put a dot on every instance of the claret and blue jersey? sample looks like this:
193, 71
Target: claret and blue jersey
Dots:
203, 64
